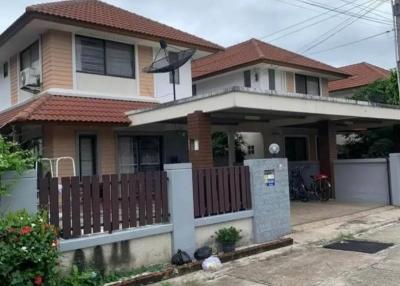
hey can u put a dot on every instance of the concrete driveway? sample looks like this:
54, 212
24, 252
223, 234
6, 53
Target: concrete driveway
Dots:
315, 211
307, 263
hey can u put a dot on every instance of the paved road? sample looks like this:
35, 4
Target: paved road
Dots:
307, 263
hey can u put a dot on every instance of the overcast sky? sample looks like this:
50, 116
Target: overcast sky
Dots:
227, 22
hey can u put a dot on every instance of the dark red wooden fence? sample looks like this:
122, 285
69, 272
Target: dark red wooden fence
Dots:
115, 202
221, 190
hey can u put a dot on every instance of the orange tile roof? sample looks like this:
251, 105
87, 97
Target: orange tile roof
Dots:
99, 14
72, 109
253, 52
362, 74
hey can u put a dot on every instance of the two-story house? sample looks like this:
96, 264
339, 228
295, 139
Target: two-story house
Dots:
259, 66
69, 72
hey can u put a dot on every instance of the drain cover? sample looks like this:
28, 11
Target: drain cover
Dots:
359, 246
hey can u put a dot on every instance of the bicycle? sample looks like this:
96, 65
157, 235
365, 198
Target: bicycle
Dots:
320, 187
297, 187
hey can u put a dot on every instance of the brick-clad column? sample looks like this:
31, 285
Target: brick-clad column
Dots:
199, 136
327, 148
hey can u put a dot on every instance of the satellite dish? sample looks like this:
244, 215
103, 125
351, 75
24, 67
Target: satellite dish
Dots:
170, 62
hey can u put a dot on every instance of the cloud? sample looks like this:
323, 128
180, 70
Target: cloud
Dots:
227, 22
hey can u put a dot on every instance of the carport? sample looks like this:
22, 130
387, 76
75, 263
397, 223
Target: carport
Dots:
241, 110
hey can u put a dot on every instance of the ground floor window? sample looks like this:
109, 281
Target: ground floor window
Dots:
296, 148
87, 155
139, 153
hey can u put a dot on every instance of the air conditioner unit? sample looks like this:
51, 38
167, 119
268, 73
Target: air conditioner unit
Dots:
30, 79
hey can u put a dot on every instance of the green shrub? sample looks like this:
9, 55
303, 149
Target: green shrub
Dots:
228, 235
13, 158
28, 250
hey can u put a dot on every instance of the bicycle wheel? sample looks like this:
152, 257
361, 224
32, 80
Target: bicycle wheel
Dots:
304, 194
324, 190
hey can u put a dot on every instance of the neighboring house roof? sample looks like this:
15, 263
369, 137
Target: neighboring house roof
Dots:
71, 109
253, 52
362, 74
100, 15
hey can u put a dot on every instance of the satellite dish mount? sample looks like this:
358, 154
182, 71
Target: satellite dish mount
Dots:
169, 62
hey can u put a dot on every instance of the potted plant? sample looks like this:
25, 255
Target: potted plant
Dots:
227, 237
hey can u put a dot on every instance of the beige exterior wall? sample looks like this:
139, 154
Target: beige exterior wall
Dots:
146, 80
14, 79
324, 87
61, 141
290, 81
57, 60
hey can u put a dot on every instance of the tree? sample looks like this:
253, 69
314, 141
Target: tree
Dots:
383, 91
378, 142
220, 145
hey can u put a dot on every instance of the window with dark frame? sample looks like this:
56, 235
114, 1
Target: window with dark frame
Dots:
194, 89
87, 155
250, 149
5, 69
139, 153
96, 56
296, 148
271, 79
173, 57
307, 85
247, 78
29, 58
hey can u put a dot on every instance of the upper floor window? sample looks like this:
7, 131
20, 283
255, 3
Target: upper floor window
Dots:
102, 57
5, 69
29, 58
194, 89
307, 84
271, 79
173, 57
247, 78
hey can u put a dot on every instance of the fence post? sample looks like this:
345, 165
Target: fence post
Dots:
269, 185
394, 162
180, 196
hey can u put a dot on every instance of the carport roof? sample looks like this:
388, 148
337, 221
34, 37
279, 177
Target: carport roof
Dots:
243, 105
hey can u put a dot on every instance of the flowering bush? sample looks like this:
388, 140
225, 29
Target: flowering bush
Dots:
28, 250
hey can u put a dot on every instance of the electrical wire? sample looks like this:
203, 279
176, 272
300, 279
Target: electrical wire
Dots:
302, 22
318, 22
355, 15
345, 24
353, 42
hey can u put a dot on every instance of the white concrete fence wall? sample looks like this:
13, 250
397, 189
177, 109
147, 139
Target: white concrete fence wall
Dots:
125, 249
362, 181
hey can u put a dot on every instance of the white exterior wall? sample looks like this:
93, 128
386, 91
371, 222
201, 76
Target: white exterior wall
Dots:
5, 89
348, 93
220, 82
164, 89
236, 79
118, 86
255, 139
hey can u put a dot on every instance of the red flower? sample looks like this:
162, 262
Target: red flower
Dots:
38, 280
26, 230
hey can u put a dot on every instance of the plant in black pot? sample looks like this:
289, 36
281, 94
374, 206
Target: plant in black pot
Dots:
227, 237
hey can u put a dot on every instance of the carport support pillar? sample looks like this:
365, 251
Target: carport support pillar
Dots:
231, 148
200, 143
327, 148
